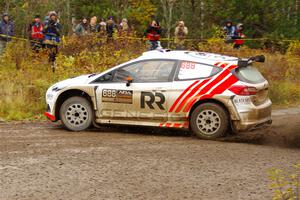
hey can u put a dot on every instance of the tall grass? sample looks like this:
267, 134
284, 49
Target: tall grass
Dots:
26, 75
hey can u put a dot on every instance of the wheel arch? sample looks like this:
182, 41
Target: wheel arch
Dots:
67, 94
215, 101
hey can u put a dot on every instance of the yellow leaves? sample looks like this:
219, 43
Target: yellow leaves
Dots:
25, 5
285, 186
294, 48
141, 11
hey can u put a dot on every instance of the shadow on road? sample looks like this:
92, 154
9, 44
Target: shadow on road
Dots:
285, 132
273, 136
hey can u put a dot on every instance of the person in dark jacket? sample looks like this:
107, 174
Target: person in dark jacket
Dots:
52, 31
83, 28
110, 28
101, 28
239, 41
230, 32
153, 34
6, 31
35, 32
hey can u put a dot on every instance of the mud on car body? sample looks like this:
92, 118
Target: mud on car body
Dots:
203, 92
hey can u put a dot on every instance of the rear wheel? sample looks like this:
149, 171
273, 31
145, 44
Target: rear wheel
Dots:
209, 121
76, 114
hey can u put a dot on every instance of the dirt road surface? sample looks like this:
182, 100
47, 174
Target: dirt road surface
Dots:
43, 161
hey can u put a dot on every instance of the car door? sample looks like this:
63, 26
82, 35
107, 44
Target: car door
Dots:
136, 93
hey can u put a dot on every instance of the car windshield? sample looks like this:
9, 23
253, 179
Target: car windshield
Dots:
249, 74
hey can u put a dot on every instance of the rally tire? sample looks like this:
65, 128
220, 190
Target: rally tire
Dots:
209, 121
76, 114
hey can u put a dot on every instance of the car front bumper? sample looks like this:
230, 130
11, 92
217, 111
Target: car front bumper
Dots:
50, 116
51, 98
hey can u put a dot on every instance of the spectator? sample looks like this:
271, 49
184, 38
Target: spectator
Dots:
181, 32
47, 17
93, 24
101, 28
238, 42
153, 34
35, 31
52, 32
123, 27
6, 31
82, 28
110, 27
230, 32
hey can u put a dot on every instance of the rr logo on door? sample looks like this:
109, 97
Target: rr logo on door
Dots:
149, 98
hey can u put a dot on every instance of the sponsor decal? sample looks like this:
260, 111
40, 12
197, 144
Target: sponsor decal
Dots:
241, 100
117, 96
149, 99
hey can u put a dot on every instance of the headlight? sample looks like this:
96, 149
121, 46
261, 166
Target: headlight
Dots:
57, 88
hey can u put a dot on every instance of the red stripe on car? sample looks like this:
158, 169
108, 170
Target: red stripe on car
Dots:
192, 100
194, 90
182, 94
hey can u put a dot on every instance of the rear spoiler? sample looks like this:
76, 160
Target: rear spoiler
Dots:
248, 61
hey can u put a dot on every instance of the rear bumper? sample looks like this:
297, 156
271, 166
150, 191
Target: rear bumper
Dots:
253, 117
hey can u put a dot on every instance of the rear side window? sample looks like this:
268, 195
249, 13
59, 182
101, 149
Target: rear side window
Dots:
192, 70
249, 74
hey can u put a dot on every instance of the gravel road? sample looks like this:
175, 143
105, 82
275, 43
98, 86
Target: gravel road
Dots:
40, 160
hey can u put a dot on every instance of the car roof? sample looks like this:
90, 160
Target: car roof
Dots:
194, 56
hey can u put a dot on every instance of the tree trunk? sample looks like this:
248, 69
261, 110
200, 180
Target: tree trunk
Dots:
168, 6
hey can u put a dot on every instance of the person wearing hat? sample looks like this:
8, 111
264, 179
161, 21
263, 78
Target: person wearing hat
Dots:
6, 31
35, 32
52, 32
110, 27
229, 31
101, 28
52, 29
153, 32
239, 41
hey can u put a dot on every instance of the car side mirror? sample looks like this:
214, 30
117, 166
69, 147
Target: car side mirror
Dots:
129, 80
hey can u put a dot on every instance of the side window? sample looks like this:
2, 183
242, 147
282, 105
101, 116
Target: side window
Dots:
104, 78
192, 70
146, 71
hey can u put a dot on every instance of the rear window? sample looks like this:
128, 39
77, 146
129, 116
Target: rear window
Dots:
249, 74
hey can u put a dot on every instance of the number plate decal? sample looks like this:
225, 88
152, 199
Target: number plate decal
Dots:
117, 96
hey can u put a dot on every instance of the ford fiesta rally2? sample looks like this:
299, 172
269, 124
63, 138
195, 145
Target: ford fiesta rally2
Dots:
203, 92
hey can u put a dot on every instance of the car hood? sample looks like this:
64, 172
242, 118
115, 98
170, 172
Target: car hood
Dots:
79, 80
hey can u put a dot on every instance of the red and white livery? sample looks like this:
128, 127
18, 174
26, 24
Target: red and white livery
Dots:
203, 92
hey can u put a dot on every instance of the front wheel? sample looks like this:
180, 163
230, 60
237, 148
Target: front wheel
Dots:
76, 114
209, 121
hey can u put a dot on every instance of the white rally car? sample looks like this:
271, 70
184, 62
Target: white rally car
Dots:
204, 92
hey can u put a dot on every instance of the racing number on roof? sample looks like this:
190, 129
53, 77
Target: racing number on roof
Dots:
150, 98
